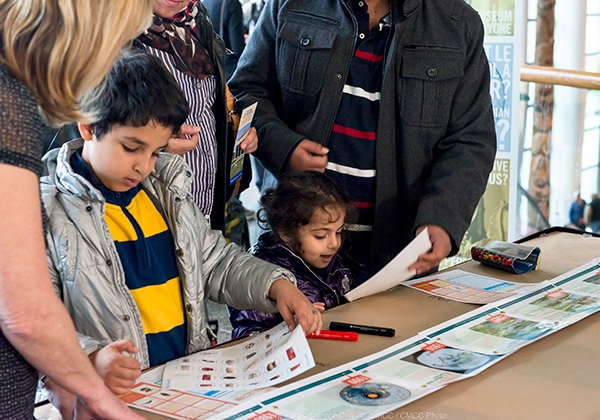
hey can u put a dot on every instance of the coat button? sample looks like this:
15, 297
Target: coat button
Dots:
338, 76
109, 262
304, 42
179, 253
126, 318
188, 307
432, 72
88, 208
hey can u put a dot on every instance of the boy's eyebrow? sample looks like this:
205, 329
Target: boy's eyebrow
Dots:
143, 143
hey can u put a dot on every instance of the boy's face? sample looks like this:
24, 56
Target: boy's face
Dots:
125, 155
321, 239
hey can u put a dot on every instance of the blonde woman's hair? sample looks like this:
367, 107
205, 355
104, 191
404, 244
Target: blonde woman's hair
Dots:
62, 49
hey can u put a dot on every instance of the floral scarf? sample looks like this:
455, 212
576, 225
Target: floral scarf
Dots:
177, 36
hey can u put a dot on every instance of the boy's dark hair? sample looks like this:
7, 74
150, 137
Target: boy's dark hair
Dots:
138, 89
292, 204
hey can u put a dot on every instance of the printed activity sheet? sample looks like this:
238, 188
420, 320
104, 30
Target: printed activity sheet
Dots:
375, 384
174, 404
334, 395
462, 286
430, 365
396, 271
264, 360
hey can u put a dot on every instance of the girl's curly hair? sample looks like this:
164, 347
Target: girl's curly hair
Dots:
293, 203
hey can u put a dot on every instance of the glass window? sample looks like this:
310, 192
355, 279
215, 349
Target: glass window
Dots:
592, 35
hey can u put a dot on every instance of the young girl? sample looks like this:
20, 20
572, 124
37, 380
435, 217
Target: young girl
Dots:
306, 214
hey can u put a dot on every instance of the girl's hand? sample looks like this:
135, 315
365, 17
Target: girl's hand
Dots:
319, 306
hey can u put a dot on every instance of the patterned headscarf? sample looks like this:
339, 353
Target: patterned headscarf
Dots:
177, 36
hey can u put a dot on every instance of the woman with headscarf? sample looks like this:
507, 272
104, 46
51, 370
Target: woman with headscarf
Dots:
182, 36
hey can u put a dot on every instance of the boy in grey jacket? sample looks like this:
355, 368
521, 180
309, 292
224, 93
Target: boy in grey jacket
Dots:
129, 252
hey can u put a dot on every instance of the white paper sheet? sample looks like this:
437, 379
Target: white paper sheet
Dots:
262, 361
396, 271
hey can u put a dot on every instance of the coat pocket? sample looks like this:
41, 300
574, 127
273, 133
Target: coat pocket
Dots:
305, 50
429, 77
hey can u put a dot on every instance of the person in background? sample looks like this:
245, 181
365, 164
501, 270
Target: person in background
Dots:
182, 37
594, 214
576, 212
228, 21
52, 54
306, 214
129, 252
251, 10
391, 99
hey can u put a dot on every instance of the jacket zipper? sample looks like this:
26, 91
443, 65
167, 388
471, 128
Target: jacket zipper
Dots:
314, 274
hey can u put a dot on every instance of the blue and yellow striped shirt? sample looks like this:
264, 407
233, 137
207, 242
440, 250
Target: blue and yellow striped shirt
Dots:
147, 254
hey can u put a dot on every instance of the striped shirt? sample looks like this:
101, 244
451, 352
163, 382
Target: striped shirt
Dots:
147, 254
200, 95
351, 157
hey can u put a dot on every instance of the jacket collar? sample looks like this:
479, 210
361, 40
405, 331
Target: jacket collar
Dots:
170, 171
410, 6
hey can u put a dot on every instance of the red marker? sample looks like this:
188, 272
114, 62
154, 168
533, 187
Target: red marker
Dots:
335, 335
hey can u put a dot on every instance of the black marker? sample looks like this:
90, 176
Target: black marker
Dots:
365, 329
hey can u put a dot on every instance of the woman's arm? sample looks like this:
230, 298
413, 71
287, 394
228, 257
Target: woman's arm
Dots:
32, 317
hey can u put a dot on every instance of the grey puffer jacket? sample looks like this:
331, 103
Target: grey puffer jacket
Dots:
87, 272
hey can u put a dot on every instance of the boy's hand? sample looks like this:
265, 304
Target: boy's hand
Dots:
186, 140
250, 143
119, 371
440, 248
290, 302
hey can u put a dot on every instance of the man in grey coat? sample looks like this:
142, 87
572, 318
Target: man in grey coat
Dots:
389, 97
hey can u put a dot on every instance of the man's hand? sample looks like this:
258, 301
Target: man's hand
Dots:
308, 156
250, 142
290, 302
440, 248
106, 406
119, 371
61, 399
186, 140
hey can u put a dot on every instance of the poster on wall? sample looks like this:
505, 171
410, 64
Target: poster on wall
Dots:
495, 216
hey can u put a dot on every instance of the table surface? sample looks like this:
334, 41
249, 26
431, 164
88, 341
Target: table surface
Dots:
557, 377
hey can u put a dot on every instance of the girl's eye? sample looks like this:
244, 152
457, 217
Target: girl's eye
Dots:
320, 237
129, 150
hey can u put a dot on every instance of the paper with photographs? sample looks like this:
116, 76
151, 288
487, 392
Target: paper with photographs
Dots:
264, 360
466, 287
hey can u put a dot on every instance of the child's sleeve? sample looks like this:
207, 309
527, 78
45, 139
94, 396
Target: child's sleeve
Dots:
234, 277
248, 321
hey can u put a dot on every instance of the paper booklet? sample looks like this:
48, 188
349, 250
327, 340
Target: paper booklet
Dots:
266, 359
237, 160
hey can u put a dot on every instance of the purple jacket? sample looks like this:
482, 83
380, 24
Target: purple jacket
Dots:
339, 281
